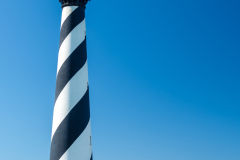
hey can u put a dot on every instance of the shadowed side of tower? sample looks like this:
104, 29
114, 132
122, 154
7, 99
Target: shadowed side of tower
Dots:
71, 129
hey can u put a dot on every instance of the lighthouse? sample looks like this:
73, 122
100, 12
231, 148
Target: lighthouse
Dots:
71, 128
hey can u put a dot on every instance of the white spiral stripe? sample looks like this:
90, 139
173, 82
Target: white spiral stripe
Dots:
71, 42
66, 11
81, 149
70, 96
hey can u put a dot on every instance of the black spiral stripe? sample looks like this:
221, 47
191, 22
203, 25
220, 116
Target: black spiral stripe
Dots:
70, 67
70, 128
76, 17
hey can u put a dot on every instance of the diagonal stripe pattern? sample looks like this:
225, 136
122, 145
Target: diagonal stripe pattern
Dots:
71, 131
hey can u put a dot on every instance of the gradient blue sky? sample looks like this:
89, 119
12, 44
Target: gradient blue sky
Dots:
164, 78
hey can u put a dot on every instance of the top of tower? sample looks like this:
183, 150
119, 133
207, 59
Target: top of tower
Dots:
73, 2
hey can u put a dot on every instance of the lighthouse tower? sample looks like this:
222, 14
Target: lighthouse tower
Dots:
71, 128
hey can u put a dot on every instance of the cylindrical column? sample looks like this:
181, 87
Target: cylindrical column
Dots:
71, 130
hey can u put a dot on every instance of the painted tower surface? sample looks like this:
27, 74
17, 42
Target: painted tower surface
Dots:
71, 129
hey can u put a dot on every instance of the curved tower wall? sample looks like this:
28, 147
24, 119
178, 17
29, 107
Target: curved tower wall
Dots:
71, 129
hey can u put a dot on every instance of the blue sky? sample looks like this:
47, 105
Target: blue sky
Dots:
164, 78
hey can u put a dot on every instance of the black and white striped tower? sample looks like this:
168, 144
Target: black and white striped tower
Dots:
71, 130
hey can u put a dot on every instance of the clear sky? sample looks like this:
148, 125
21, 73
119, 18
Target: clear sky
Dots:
164, 78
